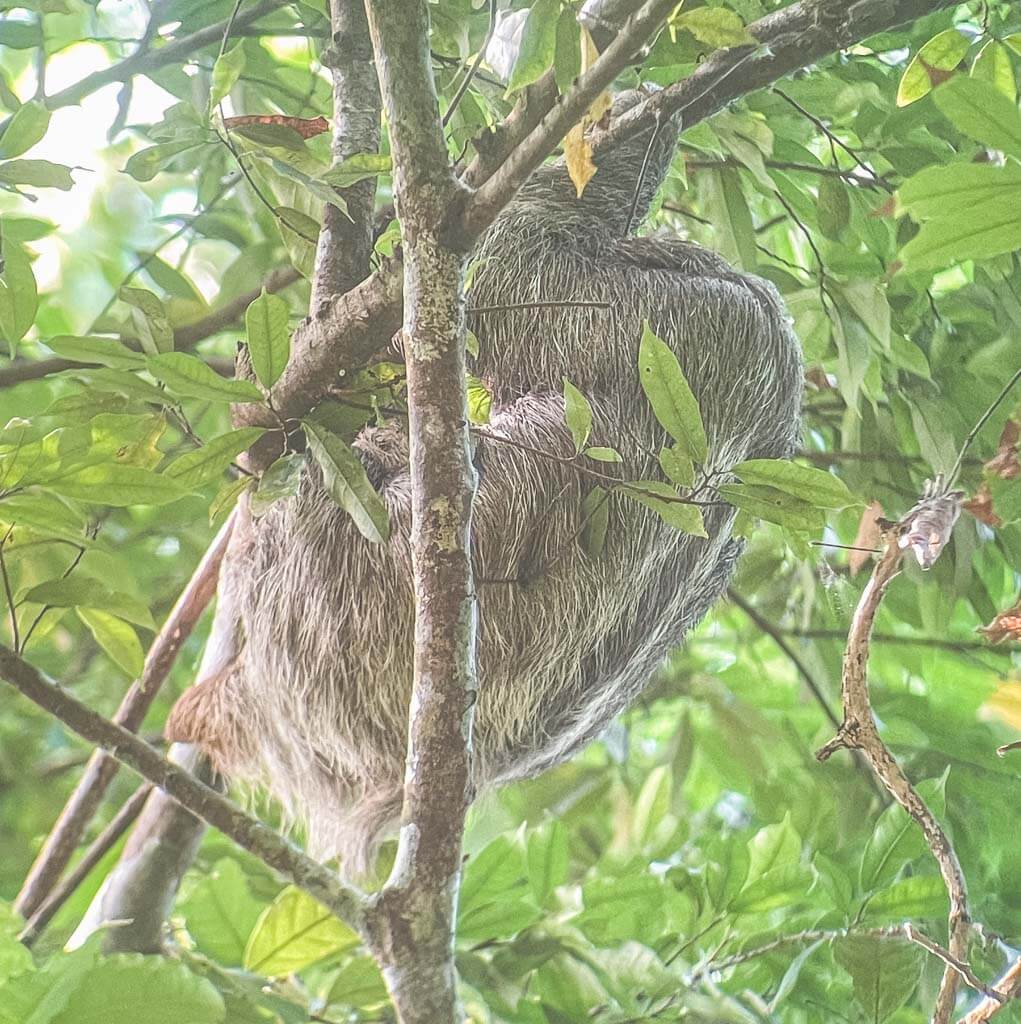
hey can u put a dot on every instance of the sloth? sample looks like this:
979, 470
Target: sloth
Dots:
315, 705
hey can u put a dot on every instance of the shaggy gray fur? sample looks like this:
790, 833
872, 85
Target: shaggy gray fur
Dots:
316, 706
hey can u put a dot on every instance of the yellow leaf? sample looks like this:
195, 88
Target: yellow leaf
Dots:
578, 154
1005, 704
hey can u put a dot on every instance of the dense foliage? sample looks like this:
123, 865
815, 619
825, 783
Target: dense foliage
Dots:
879, 190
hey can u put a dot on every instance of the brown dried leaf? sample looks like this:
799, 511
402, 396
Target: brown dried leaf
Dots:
869, 535
981, 507
578, 154
306, 127
1006, 625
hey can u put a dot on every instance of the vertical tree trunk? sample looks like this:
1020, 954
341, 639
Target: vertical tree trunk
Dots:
412, 930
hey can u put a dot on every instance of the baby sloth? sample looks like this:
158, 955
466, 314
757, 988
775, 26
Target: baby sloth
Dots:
315, 705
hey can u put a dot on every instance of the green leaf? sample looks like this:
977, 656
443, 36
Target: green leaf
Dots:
356, 168
834, 207
993, 65
718, 27
603, 454
19, 300
149, 317
26, 127
226, 498
680, 515
784, 886
670, 395
131, 989
480, 401
931, 65
896, 839
221, 912
79, 591
567, 50
577, 415
937, 192
920, 896
293, 932
547, 859
497, 872
677, 466
980, 111
147, 163
269, 339
117, 486
883, 973
816, 486
193, 469
226, 72
538, 44
772, 847
652, 805
345, 481
774, 506
187, 376
595, 515
116, 637
979, 233
105, 351
727, 209
37, 173
280, 481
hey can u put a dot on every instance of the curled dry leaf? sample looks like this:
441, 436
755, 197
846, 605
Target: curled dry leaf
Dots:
1006, 625
306, 127
981, 507
869, 535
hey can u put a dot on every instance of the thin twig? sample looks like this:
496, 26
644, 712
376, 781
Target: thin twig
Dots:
8, 592
99, 847
982, 421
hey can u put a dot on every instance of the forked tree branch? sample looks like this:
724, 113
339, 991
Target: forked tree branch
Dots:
81, 807
201, 800
858, 732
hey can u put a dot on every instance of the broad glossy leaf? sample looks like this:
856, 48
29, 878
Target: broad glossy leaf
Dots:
577, 415
357, 168
131, 989
293, 932
78, 591
987, 230
345, 480
193, 469
774, 506
664, 501
979, 110
26, 127
37, 174
538, 44
940, 192
595, 516
670, 395
187, 376
993, 65
933, 63
116, 637
19, 300
883, 973
105, 351
147, 163
226, 72
815, 486
116, 485
269, 338
715, 26
221, 912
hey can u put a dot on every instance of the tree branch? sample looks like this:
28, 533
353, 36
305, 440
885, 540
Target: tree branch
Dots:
186, 336
81, 807
859, 732
205, 803
411, 922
